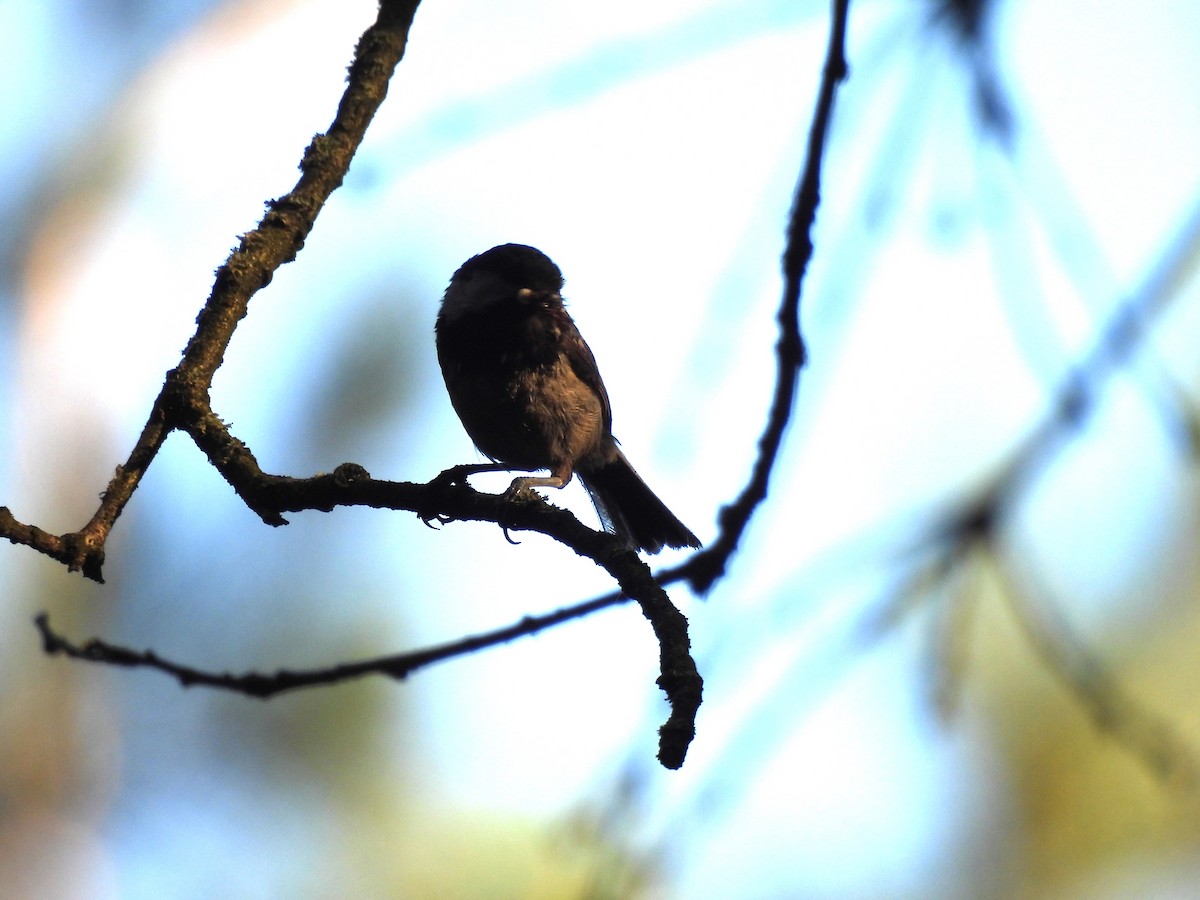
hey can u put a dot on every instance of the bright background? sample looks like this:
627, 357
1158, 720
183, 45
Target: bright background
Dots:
870, 728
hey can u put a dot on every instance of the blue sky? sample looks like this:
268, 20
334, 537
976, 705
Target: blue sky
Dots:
652, 154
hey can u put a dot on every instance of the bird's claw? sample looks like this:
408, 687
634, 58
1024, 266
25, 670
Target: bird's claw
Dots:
453, 475
439, 518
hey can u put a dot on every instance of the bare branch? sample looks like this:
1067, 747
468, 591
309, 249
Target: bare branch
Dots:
183, 401
258, 684
61, 547
707, 566
184, 404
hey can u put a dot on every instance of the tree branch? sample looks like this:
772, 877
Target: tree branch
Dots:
446, 500
184, 404
184, 399
263, 686
707, 566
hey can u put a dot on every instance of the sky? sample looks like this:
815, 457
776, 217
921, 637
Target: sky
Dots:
960, 272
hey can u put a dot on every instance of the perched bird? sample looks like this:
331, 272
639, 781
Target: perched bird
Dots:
526, 387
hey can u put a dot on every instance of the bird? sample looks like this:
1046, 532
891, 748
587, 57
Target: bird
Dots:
526, 387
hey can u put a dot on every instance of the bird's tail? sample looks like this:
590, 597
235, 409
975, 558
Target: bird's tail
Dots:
629, 509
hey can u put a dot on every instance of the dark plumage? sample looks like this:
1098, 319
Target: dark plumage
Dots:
526, 387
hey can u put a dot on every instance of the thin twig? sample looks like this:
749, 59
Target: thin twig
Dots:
262, 685
707, 566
